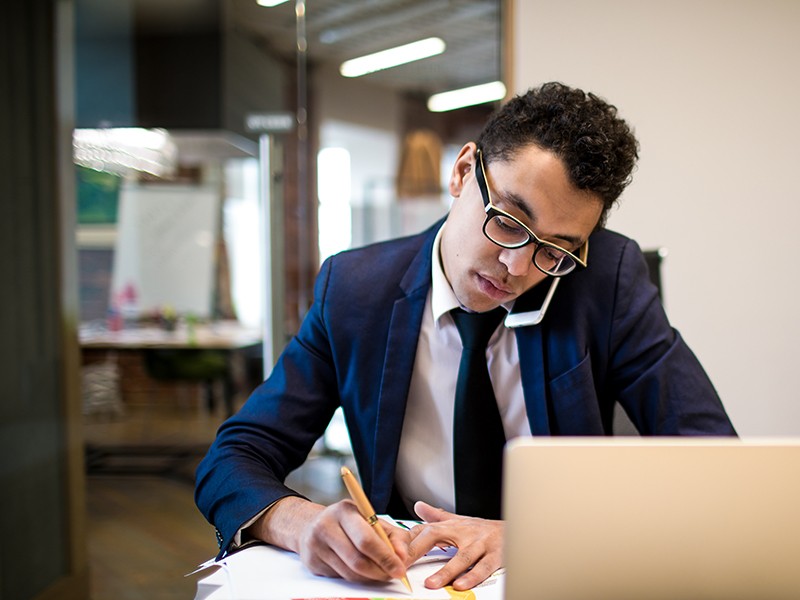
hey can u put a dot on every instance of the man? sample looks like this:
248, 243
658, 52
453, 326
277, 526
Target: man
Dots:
382, 341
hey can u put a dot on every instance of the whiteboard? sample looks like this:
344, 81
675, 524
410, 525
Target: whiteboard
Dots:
165, 249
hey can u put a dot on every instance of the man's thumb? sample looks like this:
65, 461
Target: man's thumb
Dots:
429, 513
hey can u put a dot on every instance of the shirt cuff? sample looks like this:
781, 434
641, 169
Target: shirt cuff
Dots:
237, 543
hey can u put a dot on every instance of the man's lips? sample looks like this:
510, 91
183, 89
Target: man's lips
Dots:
493, 288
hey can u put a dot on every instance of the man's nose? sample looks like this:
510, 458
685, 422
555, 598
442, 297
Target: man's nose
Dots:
518, 261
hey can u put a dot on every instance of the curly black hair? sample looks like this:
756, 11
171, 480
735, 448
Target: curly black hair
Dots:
598, 148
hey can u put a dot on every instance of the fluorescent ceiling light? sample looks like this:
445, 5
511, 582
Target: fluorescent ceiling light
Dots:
477, 94
124, 150
392, 57
270, 2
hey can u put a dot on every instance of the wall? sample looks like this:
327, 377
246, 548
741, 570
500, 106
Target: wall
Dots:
353, 100
711, 88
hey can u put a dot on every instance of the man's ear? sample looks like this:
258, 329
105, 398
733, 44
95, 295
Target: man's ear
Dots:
463, 166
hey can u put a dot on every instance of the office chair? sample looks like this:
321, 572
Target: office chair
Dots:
654, 258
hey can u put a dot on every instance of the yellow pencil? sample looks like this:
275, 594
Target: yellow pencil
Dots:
366, 510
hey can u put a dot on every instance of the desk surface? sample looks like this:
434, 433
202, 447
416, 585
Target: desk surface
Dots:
218, 335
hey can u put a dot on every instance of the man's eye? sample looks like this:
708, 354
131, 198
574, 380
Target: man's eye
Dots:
508, 226
552, 253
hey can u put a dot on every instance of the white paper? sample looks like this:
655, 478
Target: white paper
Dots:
268, 573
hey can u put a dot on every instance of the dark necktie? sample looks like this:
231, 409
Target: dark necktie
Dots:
478, 436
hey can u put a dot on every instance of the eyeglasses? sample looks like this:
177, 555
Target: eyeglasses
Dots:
507, 231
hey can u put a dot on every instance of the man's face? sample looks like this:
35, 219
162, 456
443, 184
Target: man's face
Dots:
533, 187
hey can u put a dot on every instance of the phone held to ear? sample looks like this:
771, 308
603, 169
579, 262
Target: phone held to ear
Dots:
532, 317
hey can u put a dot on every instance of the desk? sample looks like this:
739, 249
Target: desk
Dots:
219, 335
222, 337
202, 354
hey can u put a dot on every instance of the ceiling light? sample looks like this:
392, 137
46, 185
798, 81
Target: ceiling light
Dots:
124, 150
392, 57
269, 3
469, 96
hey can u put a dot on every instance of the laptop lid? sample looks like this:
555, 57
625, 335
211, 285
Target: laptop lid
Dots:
652, 518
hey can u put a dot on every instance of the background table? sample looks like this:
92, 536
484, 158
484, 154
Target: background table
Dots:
207, 354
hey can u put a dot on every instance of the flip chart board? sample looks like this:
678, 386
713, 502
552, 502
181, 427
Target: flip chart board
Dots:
165, 249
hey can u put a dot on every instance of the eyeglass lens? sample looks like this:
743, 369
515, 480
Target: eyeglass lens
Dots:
509, 233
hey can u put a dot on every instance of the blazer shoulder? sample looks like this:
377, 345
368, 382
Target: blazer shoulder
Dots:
388, 261
615, 265
610, 252
606, 241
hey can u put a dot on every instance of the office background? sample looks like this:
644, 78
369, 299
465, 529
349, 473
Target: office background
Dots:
711, 88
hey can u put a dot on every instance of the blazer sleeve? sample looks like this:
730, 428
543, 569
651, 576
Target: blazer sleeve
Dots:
272, 434
655, 376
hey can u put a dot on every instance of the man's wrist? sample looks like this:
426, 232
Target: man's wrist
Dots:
282, 523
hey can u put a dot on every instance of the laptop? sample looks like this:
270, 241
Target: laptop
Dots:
652, 518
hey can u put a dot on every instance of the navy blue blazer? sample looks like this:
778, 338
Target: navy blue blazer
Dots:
604, 339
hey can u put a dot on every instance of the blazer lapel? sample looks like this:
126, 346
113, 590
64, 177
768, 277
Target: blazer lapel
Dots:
531, 348
404, 325
531, 363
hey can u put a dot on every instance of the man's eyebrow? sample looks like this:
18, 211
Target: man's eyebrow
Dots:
518, 203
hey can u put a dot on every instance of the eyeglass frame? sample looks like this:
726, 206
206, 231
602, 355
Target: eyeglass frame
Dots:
491, 211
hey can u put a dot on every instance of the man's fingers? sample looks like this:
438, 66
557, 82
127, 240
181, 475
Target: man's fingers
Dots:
479, 544
367, 553
328, 564
462, 574
342, 543
400, 539
462, 561
425, 539
343, 555
431, 514
319, 553
479, 573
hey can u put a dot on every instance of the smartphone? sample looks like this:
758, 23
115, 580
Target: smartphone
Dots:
532, 317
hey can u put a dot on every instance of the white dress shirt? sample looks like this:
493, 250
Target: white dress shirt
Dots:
425, 459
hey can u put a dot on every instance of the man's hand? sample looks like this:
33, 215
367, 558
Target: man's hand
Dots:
479, 543
335, 541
